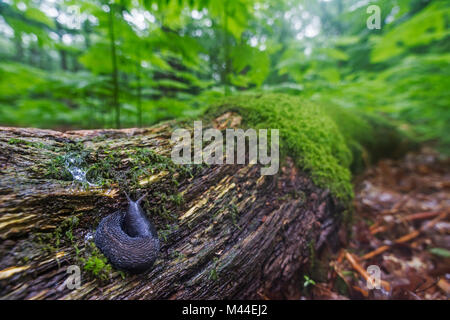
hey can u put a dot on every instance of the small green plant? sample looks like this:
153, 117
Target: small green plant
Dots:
96, 263
213, 274
122, 274
97, 266
308, 281
442, 252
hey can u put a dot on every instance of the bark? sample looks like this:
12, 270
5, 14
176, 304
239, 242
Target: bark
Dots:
237, 234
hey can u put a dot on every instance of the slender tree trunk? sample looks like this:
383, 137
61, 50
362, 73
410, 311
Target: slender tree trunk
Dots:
75, 64
226, 48
42, 58
139, 89
115, 73
87, 33
63, 59
19, 46
62, 52
34, 55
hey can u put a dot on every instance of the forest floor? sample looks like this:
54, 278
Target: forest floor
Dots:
401, 225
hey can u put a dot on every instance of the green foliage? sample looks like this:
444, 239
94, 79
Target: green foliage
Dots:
135, 63
423, 28
413, 91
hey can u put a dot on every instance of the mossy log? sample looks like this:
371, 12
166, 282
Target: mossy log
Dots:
226, 231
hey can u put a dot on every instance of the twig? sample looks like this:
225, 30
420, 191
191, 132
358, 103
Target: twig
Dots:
374, 252
420, 215
363, 272
407, 237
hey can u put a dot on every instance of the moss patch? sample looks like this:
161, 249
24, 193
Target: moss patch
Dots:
95, 263
130, 168
325, 141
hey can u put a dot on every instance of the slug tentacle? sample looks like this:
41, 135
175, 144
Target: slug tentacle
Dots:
128, 239
128, 197
141, 198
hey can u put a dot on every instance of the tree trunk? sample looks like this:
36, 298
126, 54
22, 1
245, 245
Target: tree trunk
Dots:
139, 88
234, 233
115, 72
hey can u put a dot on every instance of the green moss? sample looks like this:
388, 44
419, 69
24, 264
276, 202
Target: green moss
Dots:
177, 199
46, 242
369, 136
56, 169
213, 273
89, 257
14, 141
40, 145
96, 264
65, 229
129, 167
234, 213
126, 168
177, 255
307, 134
51, 242
164, 233
326, 141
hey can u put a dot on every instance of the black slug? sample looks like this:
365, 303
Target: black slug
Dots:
128, 239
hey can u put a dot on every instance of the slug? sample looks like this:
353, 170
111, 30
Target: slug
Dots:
128, 239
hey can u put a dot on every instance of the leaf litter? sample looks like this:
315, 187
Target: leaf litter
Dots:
402, 226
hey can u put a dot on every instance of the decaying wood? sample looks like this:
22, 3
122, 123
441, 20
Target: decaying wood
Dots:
237, 234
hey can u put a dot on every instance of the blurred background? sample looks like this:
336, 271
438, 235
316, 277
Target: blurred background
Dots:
110, 64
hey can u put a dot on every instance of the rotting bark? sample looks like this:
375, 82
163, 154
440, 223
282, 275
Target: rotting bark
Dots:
236, 234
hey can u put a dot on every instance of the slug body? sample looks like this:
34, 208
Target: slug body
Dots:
128, 239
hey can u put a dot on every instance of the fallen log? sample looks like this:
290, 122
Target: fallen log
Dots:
226, 231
